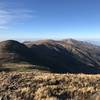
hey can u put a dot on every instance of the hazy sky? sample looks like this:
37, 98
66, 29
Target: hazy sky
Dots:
56, 19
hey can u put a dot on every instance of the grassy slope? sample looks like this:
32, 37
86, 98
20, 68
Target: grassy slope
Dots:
20, 67
40, 85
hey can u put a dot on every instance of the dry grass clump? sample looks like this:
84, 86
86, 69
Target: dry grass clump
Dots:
39, 85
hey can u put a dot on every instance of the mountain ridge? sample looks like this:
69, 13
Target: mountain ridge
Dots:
67, 55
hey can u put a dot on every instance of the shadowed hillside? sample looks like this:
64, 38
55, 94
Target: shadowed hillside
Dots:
67, 55
59, 56
13, 51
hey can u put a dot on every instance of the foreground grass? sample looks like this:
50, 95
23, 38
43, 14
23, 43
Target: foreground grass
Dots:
40, 85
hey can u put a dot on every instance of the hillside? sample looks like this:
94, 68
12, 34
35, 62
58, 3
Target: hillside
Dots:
67, 55
59, 56
13, 51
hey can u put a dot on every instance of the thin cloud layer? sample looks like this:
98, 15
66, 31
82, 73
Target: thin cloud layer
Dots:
9, 16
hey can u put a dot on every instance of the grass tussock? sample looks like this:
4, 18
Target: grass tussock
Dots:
39, 85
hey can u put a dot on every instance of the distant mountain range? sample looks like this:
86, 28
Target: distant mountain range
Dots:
67, 55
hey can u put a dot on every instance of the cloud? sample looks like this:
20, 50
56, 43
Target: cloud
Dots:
3, 27
9, 16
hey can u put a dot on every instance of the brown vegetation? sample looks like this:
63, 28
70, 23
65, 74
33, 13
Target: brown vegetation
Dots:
40, 85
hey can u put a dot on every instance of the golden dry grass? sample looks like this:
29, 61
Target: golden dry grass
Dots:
40, 85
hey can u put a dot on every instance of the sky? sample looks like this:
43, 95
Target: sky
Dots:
52, 19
